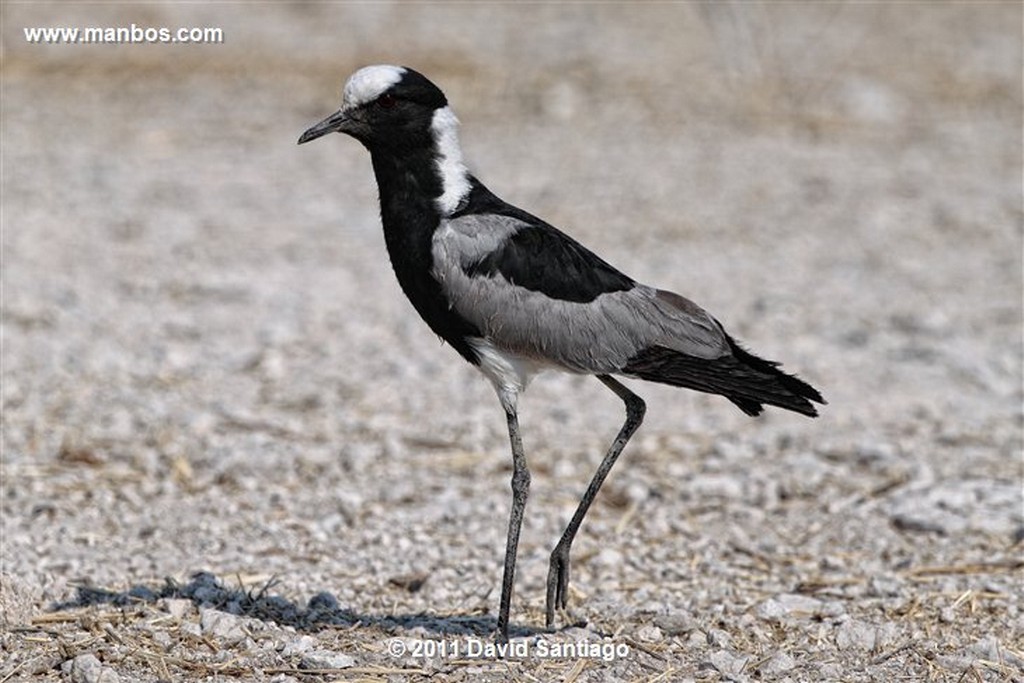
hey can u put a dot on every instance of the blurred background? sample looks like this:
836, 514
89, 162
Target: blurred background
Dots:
207, 363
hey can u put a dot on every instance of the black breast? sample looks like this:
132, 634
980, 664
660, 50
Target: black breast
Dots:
410, 217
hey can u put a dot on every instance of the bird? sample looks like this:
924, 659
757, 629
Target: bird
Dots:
515, 296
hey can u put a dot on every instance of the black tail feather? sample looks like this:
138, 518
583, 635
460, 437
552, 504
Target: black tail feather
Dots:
743, 378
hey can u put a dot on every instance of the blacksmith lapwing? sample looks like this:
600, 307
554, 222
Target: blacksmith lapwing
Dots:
514, 295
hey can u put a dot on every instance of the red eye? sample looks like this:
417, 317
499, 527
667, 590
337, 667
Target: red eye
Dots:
387, 101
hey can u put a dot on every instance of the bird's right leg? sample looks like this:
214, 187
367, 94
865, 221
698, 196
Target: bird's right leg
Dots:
558, 570
520, 491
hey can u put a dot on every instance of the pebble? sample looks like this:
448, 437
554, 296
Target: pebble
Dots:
886, 586
649, 633
163, 639
830, 671
779, 663
698, 640
855, 635
608, 557
727, 662
221, 625
178, 607
789, 605
723, 486
719, 638
922, 521
990, 649
676, 624
86, 668
190, 630
298, 646
581, 634
325, 659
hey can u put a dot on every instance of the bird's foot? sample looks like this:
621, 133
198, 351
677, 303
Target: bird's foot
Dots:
558, 583
501, 629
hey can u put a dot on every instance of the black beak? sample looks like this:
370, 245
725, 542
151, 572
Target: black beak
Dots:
335, 123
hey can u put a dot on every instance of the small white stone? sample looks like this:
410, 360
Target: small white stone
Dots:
650, 633
178, 607
191, 629
719, 638
221, 625
325, 659
299, 645
789, 605
163, 639
855, 635
726, 662
779, 663
86, 669
676, 624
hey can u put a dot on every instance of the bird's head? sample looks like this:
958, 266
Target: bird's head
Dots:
401, 117
384, 106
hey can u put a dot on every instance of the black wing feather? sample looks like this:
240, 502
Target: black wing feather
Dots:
743, 378
540, 257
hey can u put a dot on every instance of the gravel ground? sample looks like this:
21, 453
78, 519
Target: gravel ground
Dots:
231, 452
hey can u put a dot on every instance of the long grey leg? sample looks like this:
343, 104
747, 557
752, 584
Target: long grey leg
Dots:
558, 570
520, 491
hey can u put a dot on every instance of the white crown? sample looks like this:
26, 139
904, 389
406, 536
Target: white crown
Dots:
369, 83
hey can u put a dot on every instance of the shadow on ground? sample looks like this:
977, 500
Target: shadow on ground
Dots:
207, 591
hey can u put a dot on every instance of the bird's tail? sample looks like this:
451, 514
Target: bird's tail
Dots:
743, 378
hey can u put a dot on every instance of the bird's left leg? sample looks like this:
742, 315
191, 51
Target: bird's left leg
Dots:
558, 570
520, 491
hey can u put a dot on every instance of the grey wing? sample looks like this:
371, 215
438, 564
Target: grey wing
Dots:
596, 336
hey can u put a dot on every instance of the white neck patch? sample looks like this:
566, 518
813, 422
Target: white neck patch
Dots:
454, 176
369, 83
